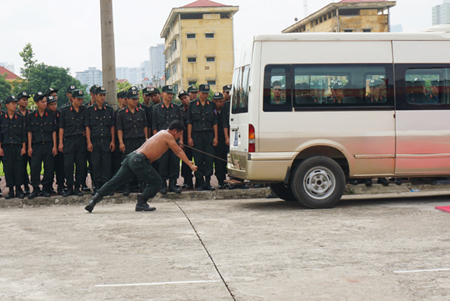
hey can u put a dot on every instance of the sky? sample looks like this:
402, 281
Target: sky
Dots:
66, 33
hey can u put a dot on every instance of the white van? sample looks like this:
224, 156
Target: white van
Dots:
311, 110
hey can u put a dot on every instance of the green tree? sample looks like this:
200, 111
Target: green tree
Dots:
5, 87
29, 63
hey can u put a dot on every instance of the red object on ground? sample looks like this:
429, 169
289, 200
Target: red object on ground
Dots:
443, 208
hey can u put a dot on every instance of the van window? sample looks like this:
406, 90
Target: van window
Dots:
277, 88
239, 93
427, 86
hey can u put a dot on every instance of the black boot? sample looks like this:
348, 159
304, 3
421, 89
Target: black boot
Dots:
207, 185
10, 194
222, 184
46, 191
173, 186
163, 187
368, 182
127, 190
199, 182
78, 191
26, 189
69, 191
34, 194
383, 181
60, 190
142, 204
19, 193
94, 201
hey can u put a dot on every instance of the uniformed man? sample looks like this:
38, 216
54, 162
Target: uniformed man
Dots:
100, 137
92, 93
41, 129
59, 158
69, 91
375, 93
132, 128
52, 92
22, 109
147, 106
202, 134
435, 95
277, 98
73, 143
221, 149
2, 113
186, 171
155, 97
117, 154
226, 113
193, 92
13, 147
319, 92
338, 93
162, 115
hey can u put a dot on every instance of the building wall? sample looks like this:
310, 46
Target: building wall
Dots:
157, 61
220, 48
90, 77
441, 13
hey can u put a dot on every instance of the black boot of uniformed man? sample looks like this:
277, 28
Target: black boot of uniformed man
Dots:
163, 187
10, 194
127, 189
94, 201
19, 192
207, 185
34, 194
173, 186
142, 204
69, 191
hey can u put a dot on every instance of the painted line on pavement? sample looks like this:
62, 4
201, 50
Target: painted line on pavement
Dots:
420, 271
157, 283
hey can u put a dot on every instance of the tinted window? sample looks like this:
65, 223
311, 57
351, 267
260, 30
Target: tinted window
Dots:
427, 86
239, 95
277, 88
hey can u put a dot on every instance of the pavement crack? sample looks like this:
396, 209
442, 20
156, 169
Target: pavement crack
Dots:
206, 250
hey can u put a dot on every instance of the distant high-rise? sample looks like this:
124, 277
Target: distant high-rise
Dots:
441, 13
157, 61
90, 77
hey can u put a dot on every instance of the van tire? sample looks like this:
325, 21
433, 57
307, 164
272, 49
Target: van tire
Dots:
318, 182
283, 192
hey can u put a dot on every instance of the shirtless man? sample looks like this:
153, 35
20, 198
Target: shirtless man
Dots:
139, 163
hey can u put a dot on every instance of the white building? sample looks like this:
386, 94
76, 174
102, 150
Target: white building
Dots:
90, 77
157, 61
441, 13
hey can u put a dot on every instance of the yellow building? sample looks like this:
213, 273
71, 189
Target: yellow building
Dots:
199, 45
347, 16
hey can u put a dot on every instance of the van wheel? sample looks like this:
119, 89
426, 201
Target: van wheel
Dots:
283, 192
318, 182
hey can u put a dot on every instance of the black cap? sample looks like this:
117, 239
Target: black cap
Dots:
77, 93
167, 89
70, 89
203, 88
146, 91
226, 88
276, 84
154, 91
338, 85
192, 89
418, 82
38, 96
123, 94
10, 99
100, 90
374, 83
23, 94
133, 88
435, 83
133, 94
51, 99
218, 95
182, 92
93, 88
50, 91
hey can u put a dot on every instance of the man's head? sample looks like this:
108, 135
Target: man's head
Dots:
132, 98
146, 95
69, 91
77, 98
167, 93
338, 87
204, 92
276, 88
100, 95
51, 103
41, 101
11, 103
176, 128
218, 100
419, 86
183, 96
154, 95
53, 92
226, 93
193, 92
22, 99
435, 87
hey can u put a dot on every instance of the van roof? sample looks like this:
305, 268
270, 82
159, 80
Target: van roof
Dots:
329, 36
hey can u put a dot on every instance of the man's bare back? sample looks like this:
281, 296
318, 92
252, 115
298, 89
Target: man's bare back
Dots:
159, 143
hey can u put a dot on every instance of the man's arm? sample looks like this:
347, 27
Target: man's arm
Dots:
179, 152
61, 138
90, 147
30, 138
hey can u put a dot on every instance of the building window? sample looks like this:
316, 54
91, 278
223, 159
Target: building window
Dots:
209, 35
191, 35
192, 83
210, 59
367, 30
348, 30
212, 82
349, 12
192, 60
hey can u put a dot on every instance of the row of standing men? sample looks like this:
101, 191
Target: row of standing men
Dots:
63, 138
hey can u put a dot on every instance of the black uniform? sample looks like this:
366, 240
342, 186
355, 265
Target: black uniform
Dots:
12, 139
117, 154
186, 171
74, 144
59, 159
42, 129
162, 116
100, 121
26, 159
221, 149
202, 118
